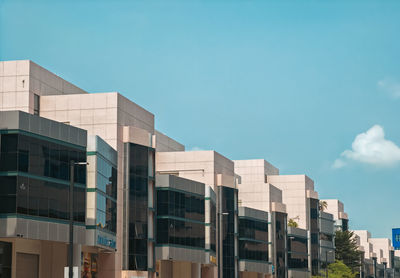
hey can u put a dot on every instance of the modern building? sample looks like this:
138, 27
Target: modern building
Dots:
35, 155
379, 256
125, 126
216, 172
302, 205
181, 247
143, 206
101, 206
253, 244
255, 192
336, 208
298, 254
326, 239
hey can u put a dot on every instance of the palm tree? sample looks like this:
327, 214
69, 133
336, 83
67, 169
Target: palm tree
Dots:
323, 205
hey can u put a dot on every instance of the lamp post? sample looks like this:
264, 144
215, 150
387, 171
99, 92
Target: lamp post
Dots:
71, 216
326, 261
287, 252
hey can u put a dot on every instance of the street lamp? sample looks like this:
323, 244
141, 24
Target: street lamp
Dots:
326, 261
71, 215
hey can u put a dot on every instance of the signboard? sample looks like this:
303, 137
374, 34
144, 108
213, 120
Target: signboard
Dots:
396, 238
105, 241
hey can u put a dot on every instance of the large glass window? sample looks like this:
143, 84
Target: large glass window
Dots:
250, 250
45, 195
5, 259
228, 241
187, 231
106, 194
140, 179
297, 252
180, 232
253, 239
280, 230
40, 157
180, 204
213, 226
314, 227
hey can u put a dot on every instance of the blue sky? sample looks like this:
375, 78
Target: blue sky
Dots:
293, 82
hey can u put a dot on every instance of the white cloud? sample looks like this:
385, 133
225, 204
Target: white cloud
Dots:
391, 86
370, 147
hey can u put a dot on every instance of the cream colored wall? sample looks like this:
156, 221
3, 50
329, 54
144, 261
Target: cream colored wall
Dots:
385, 245
254, 170
364, 237
336, 208
294, 194
167, 144
19, 80
14, 86
201, 166
52, 255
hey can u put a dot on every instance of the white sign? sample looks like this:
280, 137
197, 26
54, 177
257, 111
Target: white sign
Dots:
74, 272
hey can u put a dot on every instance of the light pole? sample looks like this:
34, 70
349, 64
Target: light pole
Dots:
326, 261
287, 252
71, 216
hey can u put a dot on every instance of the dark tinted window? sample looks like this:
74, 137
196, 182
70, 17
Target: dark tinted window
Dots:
5, 259
139, 183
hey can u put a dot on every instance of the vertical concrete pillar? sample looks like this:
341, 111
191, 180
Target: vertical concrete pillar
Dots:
77, 257
196, 270
165, 270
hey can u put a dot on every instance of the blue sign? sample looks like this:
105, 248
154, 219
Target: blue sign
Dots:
396, 238
106, 241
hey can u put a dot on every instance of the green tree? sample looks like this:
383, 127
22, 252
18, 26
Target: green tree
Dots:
292, 223
347, 249
338, 270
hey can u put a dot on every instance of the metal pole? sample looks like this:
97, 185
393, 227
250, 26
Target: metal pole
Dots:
71, 220
326, 263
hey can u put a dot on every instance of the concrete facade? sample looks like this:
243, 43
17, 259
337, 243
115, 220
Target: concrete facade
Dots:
336, 208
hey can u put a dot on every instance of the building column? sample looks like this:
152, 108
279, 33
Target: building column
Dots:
196, 270
77, 257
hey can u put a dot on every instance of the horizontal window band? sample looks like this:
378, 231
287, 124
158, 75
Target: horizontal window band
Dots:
179, 191
254, 261
253, 219
302, 237
300, 253
254, 240
39, 218
299, 269
180, 219
96, 153
42, 178
180, 246
41, 137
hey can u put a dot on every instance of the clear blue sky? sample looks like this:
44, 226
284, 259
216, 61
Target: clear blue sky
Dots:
293, 82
